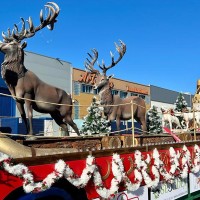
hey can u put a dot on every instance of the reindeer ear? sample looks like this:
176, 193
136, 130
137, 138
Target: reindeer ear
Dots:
109, 77
24, 44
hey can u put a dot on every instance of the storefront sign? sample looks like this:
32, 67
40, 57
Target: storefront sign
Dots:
170, 191
87, 77
137, 90
194, 182
90, 78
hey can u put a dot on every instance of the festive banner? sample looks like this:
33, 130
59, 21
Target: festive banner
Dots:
194, 182
167, 191
140, 194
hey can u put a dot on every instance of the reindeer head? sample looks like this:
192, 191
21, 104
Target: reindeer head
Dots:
164, 110
102, 79
12, 41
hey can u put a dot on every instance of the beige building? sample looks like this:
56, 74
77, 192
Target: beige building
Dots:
83, 91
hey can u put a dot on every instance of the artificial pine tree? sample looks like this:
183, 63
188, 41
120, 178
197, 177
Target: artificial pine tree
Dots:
94, 122
180, 104
154, 124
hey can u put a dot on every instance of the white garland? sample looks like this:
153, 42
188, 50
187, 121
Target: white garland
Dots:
180, 165
137, 172
186, 162
85, 176
147, 179
196, 167
174, 165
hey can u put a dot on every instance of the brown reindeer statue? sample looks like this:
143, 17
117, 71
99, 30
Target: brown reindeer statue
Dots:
122, 110
24, 85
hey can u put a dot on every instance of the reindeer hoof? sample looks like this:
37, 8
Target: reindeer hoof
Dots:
31, 137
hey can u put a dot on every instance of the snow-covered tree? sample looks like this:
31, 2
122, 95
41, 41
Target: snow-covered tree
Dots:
94, 121
154, 124
180, 103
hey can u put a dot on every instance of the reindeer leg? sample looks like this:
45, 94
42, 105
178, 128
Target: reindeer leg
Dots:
12, 91
118, 124
187, 125
180, 125
59, 120
144, 127
30, 116
170, 125
20, 106
69, 120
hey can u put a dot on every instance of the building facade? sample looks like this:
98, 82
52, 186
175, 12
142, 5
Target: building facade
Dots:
161, 97
83, 91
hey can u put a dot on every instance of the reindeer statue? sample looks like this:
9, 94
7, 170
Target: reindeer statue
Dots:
113, 104
169, 116
24, 85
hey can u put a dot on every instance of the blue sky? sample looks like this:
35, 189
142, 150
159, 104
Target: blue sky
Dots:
162, 37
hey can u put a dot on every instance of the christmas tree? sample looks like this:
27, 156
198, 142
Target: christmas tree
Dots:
154, 124
180, 104
94, 122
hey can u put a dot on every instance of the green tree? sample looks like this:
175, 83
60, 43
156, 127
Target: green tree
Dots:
180, 103
154, 124
94, 121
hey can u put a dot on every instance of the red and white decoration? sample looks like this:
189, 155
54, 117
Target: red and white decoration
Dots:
180, 165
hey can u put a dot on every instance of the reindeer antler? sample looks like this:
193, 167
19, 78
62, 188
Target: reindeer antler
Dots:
24, 33
90, 64
121, 50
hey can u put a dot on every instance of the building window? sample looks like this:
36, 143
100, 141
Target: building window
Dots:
147, 99
133, 94
115, 92
123, 94
142, 96
76, 110
96, 91
76, 88
86, 88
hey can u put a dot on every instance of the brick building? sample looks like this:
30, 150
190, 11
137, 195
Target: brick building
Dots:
83, 90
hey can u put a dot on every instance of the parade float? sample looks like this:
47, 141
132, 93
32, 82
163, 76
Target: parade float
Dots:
114, 166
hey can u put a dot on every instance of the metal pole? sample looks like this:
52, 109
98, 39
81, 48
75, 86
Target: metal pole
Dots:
133, 136
195, 138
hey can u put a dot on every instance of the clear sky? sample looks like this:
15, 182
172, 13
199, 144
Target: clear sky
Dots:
162, 36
